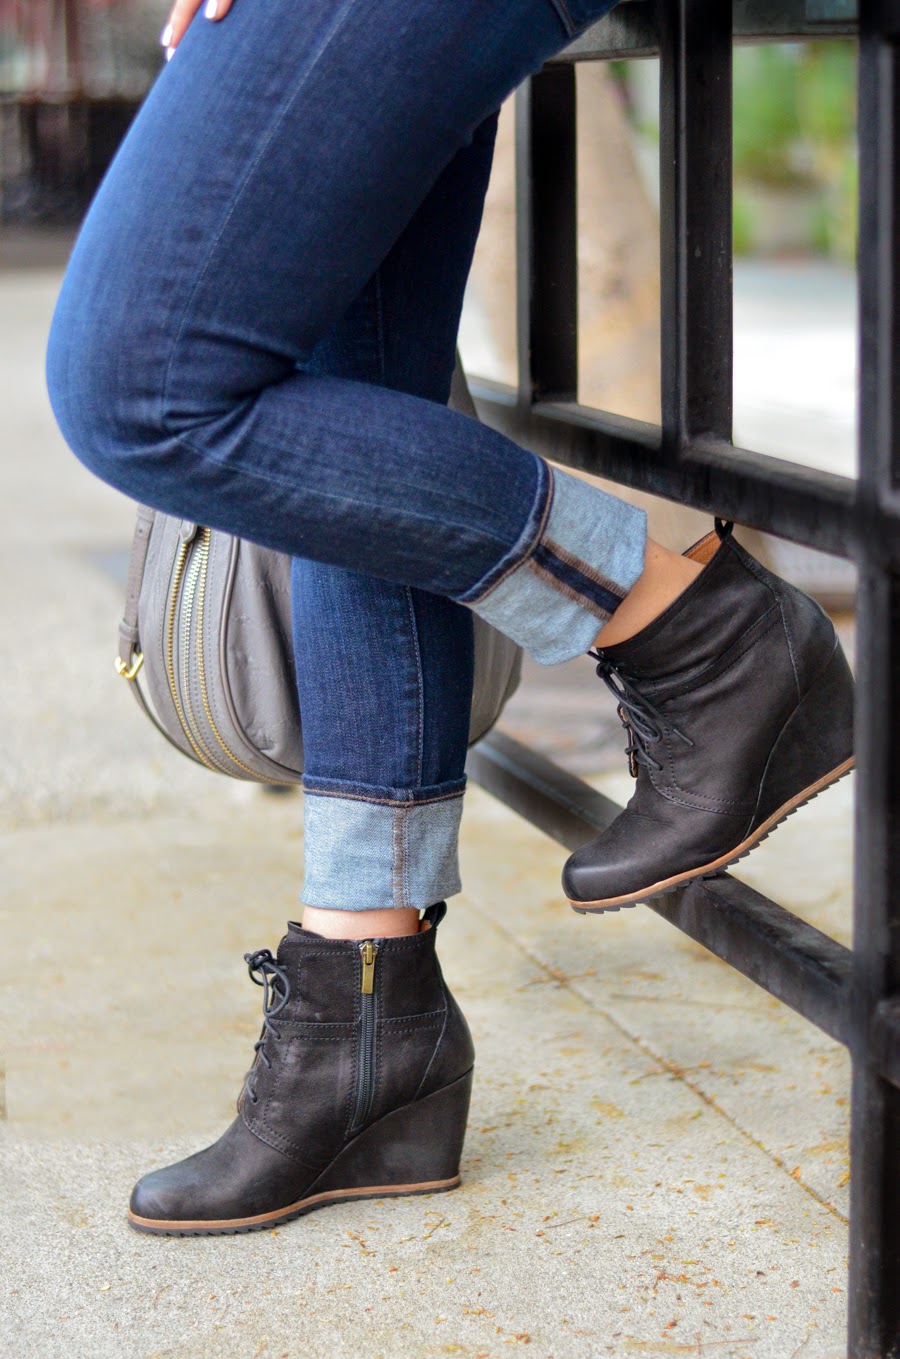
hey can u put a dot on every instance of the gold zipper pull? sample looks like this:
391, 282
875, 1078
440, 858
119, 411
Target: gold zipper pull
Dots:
369, 953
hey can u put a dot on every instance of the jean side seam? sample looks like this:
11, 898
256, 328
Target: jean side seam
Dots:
523, 557
396, 861
568, 591
583, 568
420, 685
236, 198
557, 573
407, 889
565, 15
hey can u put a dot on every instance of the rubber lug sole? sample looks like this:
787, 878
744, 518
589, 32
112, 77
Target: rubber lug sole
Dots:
415, 1149
719, 865
266, 1221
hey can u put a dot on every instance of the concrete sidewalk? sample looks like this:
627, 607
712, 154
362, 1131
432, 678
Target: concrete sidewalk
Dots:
656, 1161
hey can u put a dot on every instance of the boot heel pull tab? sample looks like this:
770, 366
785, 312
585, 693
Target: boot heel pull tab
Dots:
724, 528
433, 916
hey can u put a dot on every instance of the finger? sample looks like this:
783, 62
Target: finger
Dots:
217, 9
180, 16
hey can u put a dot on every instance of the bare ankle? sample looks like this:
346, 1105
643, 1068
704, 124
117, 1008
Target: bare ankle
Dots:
666, 575
378, 924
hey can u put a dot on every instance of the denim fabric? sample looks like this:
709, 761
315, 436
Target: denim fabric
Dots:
348, 844
236, 251
385, 765
385, 681
554, 598
275, 161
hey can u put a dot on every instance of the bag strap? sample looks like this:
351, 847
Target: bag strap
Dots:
129, 639
130, 657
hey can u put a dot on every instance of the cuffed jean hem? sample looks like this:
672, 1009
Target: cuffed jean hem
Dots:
378, 849
586, 552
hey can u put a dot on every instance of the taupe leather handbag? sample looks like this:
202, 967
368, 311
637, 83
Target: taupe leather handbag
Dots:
206, 645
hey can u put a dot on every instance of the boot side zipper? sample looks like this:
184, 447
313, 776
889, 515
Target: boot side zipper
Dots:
365, 1076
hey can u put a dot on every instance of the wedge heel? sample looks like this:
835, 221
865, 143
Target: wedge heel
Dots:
413, 1150
816, 744
360, 1090
738, 703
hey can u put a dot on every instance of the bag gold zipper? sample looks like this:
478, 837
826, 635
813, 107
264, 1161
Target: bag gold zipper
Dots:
188, 597
188, 594
171, 617
203, 551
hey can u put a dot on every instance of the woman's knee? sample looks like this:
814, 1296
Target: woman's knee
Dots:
104, 388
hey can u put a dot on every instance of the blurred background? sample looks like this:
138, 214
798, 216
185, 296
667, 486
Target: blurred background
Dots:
72, 73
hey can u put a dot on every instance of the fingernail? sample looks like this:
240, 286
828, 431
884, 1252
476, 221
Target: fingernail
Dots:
166, 36
212, 9
170, 52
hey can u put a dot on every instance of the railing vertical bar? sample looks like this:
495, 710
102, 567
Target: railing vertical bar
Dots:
546, 175
695, 42
874, 1320
524, 241
695, 225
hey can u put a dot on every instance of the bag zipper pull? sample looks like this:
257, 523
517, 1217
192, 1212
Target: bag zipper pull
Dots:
369, 952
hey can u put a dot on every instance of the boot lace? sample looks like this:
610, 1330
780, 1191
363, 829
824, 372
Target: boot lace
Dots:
265, 972
645, 724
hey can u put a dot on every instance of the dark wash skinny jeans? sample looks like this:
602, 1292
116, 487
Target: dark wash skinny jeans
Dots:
256, 331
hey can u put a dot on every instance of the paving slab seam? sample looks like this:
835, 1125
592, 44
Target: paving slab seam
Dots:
554, 974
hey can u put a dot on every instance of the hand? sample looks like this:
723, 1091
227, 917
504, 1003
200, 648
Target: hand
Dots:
181, 15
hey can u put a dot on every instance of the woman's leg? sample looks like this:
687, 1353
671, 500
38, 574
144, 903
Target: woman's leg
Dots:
275, 162
385, 679
384, 670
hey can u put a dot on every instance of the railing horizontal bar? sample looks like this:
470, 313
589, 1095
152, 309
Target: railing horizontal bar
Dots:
778, 951
631, 30
805, 505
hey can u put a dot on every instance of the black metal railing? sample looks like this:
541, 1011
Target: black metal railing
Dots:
853, 995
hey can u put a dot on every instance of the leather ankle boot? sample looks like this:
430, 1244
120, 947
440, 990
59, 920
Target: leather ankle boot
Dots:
738, 703
360, 1089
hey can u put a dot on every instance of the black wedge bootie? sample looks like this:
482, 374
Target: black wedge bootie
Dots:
360, 1089
738, 703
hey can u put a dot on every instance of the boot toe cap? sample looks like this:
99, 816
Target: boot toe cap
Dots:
615, 863
171, 1194
636, 855
237, 1178
597, 873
